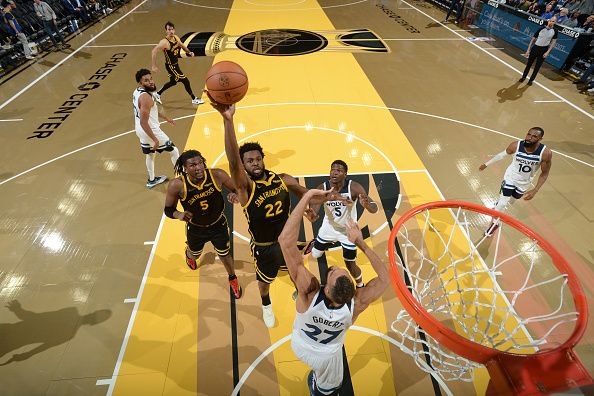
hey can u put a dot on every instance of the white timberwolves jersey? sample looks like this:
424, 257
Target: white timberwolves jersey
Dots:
524, 165
321, 329
153, 115
337, 212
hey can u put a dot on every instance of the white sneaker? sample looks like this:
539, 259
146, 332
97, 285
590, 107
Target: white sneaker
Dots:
157, 97
591, 90
156, 181
197, 101
29, 57
268, 316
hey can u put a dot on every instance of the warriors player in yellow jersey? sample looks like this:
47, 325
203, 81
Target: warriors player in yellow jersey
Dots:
264, 196
199, 190
171, 46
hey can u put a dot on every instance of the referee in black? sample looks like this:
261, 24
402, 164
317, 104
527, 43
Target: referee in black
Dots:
540, 46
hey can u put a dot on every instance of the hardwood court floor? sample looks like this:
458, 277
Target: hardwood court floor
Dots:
82, 238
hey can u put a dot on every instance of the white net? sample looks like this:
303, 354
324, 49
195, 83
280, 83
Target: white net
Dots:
500, 291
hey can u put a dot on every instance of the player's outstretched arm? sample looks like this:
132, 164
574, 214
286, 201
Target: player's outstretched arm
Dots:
158, 48
242, 183
498, 157
186, 50
293, 185
223, 179
375, 287
545, 168
306, 283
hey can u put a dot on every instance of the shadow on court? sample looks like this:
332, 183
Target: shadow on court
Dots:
513, 92
49, 329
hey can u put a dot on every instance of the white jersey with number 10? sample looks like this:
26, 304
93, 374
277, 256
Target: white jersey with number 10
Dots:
524, 165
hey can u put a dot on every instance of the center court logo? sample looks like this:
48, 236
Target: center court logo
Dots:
285, 42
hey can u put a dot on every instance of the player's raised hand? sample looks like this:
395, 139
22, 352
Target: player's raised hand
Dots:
353, 231
232, 198
227, 111
311, 215
364, 200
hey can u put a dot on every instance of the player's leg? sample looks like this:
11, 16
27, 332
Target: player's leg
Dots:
267, 260
327, 379
326, 236
173, 79
349, 254
222, 245
194, 245
152, 181
173, 151
506, 198
327, 372
319, 247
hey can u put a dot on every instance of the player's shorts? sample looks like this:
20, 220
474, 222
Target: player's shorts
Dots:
328, 368
146, 143
327, 236
217, 234
174, 72
510, 188
268, 260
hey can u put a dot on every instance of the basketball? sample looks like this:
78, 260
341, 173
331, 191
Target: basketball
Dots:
226, 82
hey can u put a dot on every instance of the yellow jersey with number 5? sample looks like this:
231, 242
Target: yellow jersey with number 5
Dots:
203, 200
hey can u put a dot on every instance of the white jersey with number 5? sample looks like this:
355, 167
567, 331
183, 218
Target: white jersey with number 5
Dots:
524, 165
337, 212
321, 329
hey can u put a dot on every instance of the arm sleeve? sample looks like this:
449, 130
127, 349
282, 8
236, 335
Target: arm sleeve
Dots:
497, 157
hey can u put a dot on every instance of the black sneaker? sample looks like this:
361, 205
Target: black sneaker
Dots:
521, 79
491, 229
529, 83
157, 180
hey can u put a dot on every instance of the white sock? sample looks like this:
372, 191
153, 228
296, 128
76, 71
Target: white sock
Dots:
315, 253
150, 165
174, 155
503, 203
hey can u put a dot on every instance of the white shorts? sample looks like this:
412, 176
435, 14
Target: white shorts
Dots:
328, 368
146, 143
518, 187
328, 235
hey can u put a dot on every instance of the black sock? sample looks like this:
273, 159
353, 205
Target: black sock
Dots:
266, 300
186, 83
167, 85
231, 277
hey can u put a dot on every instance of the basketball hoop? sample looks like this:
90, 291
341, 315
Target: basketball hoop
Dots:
508, 301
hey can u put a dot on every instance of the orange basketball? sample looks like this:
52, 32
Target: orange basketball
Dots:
226, 82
